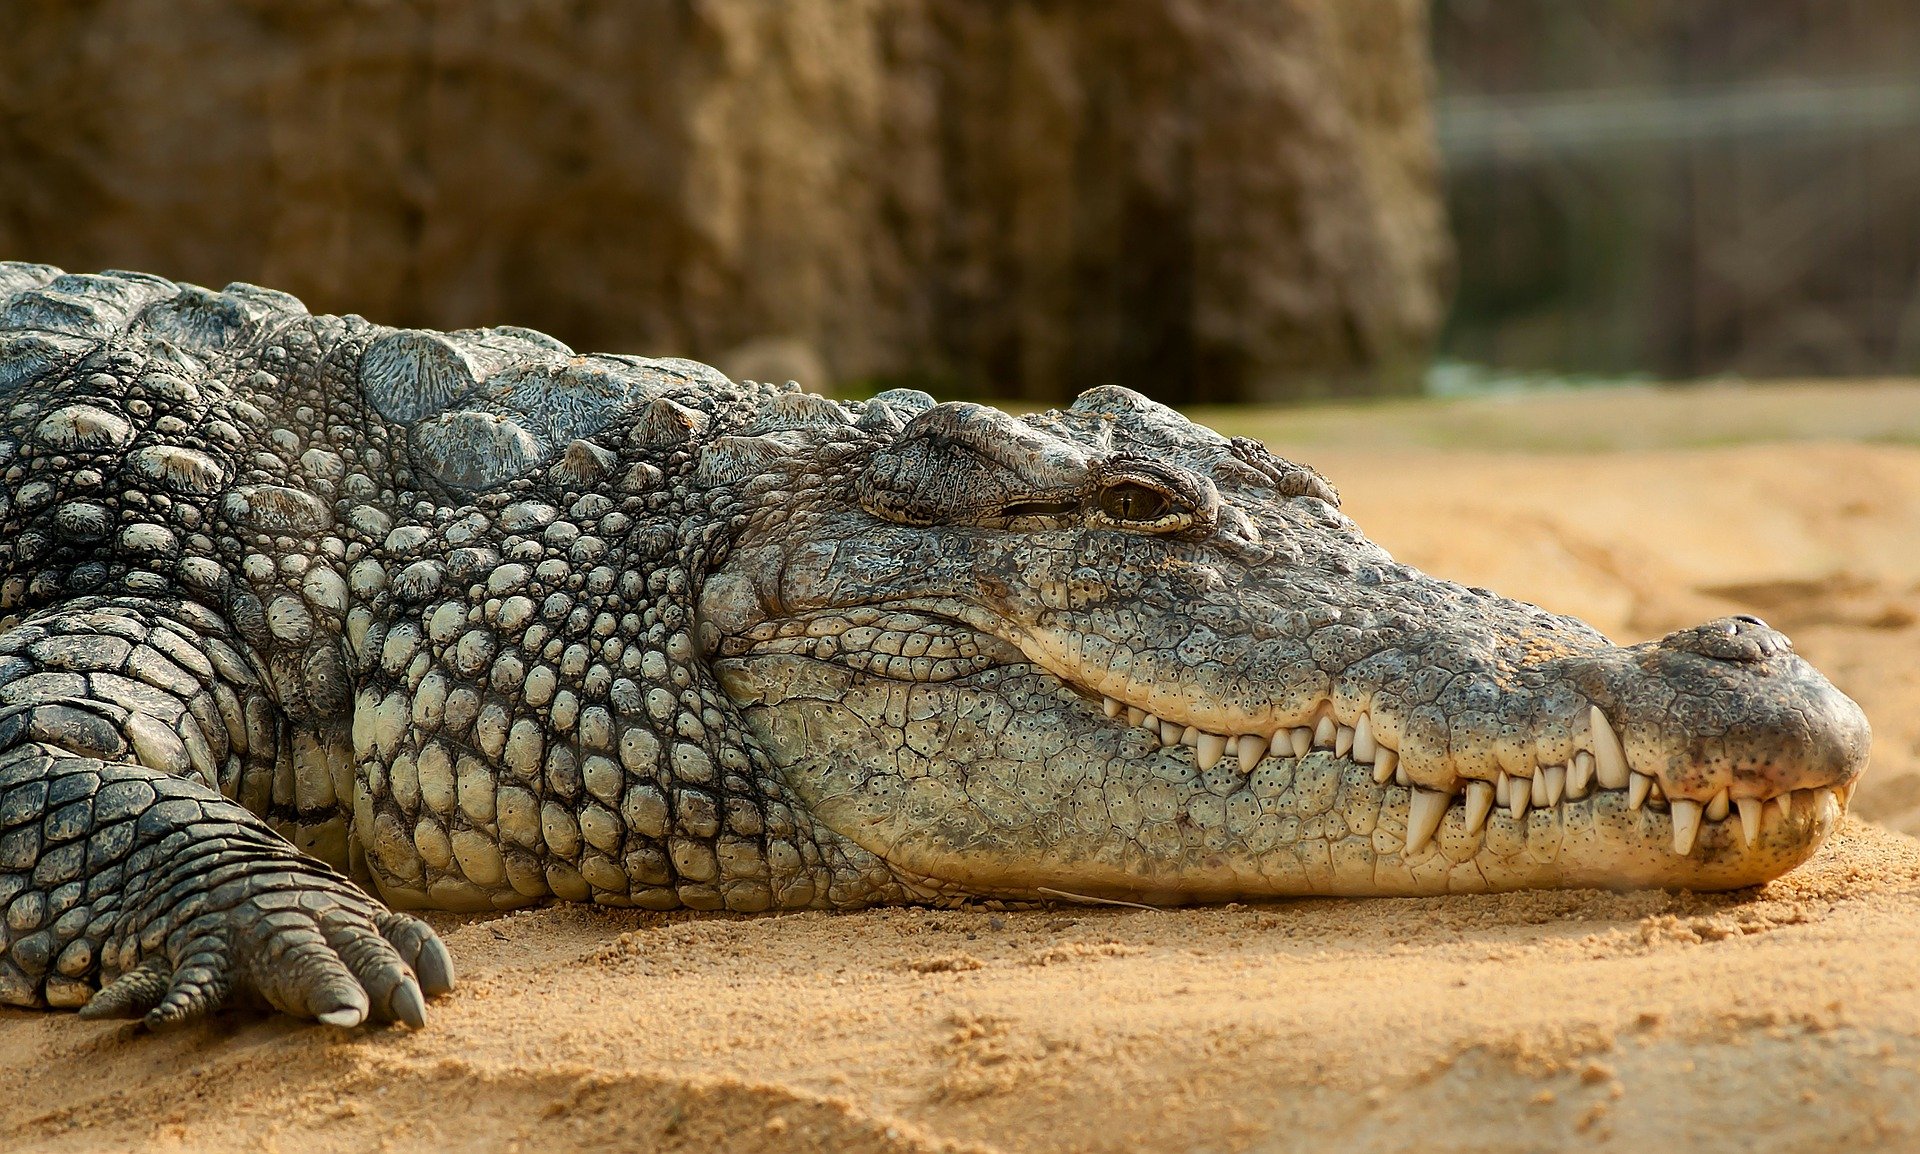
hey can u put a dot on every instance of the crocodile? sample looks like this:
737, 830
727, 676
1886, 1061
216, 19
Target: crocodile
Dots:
310, 622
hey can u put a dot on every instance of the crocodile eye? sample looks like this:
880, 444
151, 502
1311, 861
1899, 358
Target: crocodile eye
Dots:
1130, 501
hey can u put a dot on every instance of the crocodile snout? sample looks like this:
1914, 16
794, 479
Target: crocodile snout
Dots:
1728, 709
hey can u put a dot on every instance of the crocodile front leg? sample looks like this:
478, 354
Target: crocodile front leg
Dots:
181, 902
149, 883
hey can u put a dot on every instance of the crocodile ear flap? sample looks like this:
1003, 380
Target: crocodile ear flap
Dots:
959, 462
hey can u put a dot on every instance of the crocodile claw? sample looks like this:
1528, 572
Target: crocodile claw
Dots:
327, 954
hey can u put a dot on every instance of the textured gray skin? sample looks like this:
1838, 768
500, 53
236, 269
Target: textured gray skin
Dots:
479, 622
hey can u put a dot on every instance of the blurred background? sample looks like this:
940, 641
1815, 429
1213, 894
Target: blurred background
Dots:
1682, 190
1206, 200
1613, 305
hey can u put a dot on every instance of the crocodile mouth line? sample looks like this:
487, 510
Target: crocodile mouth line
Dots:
1588, 772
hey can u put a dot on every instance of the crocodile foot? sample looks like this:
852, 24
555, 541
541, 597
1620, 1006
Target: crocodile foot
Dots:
300, 941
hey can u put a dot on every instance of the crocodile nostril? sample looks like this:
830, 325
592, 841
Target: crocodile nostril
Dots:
1750, 619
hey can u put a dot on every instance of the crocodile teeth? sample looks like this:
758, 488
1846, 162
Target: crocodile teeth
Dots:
1301, 738
1501, 787
1324, 733
1400, 777
1785, 801
1719, 807
1423, 817
1826, 804
1519, 795
1209, 750
1479, 804
1112, 707
1384, 764
1750, 809
1250, 749
1686, 824
1342, 741
1609, 759
1190, 736
1141, 718
1537, 793
1365, 748
1170, 732
1556, 776
1579, 774
1638, 791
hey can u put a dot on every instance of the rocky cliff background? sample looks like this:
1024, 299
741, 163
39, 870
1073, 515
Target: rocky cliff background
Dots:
1201, 199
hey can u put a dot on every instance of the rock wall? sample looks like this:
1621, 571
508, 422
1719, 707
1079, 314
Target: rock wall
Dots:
1202, 199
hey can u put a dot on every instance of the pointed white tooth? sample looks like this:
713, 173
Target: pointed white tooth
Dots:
1519, 796
1365, 748
1501, 786
1342, 741
1537, 789
1579, 774
1785, 802
1190, 736
1556, 783
1386, 763
1301, 738
1686, 824
1324, 732
1826, 805
1170, 732
1423, 817
1750, 808
1143, 719
1250, 749
1637, 792
1113, 708
1720, 806
1400, 777
1845, 792
1609, 759
1211, 748
1479, 804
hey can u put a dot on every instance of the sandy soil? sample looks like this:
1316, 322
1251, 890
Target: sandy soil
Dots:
1782, 1019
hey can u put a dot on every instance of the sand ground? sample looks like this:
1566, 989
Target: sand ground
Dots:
1786, 1018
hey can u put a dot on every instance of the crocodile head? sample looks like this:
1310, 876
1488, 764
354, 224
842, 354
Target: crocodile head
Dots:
1107, 652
